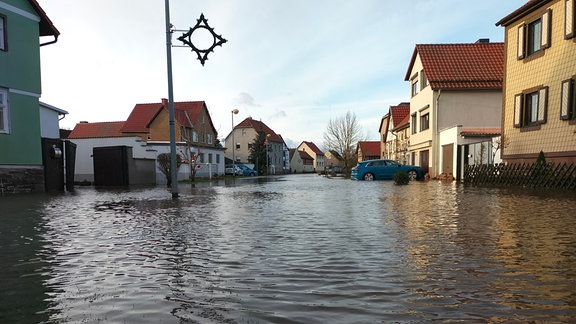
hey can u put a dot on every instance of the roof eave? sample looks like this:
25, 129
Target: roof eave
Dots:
520, 12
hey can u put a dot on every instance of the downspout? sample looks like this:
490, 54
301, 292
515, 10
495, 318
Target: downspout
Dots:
50, 42
436, 135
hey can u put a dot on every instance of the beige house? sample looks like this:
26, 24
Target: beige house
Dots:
394, 138
245, 133
539, 92
301, 162
315, 153
452, 87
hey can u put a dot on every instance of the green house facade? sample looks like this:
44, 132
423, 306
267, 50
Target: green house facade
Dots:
24, 27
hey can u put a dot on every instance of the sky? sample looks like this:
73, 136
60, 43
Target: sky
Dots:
295, 65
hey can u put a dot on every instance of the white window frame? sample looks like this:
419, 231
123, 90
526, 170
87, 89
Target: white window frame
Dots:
544, 35
569, 19
4, 112
539, 108
3, 33
567, 100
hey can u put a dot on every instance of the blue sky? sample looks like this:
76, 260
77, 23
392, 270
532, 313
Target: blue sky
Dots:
292, 64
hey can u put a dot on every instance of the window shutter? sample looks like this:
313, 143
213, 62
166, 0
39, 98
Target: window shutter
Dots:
546, 28
518, 110
566, 99
542, 104
521, 47
569, 19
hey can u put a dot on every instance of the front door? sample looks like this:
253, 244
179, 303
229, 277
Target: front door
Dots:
448, 159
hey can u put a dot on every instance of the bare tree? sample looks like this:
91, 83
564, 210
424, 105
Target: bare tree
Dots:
498, 145
341, 135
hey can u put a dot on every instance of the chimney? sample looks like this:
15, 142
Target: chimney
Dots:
483, 41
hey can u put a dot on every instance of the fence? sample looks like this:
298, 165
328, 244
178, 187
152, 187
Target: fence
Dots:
535, 175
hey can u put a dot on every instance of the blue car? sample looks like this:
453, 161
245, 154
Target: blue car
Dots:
247, 171
384, 170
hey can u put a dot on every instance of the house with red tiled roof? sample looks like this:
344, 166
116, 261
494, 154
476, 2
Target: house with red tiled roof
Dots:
301, 162
244, 135
540, 82
453, 87
316, 153
368, 150
146, 131
394, 145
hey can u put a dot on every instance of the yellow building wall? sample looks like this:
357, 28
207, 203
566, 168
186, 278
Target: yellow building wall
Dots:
556, 64
160, 127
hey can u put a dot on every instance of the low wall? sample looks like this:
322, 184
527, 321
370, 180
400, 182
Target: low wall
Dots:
21, 179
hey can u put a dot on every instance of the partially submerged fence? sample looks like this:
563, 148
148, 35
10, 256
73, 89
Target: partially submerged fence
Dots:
535, 175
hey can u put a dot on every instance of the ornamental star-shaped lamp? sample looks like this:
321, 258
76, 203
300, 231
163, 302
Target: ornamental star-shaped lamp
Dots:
217, 40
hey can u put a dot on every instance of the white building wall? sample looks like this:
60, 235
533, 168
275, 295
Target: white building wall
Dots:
49, 126
84, 170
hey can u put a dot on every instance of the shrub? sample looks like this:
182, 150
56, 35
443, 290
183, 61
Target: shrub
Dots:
401, 178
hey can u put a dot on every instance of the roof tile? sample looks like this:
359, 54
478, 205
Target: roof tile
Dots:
98, 130
462, 66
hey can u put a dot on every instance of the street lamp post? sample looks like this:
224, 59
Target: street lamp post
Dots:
234, 112
186, 38
267, 154
173, 165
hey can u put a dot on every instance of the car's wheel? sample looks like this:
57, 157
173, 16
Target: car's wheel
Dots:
413, 175
252, 174
368, 177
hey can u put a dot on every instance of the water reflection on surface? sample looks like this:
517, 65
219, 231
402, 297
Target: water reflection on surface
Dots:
294, 249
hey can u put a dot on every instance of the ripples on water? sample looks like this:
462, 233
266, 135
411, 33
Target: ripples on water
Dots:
298, 249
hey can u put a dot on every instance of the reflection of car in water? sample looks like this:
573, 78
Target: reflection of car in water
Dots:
247, 171
384, 170
233, 170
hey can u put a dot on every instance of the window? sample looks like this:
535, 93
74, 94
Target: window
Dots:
415, 87
569, 13
209, 157
218, 158
424, 80
413, 123
194, 136
4, 111
530, 108
424, 122
209, 138
237, 146
567, 100
535, 36
3, 34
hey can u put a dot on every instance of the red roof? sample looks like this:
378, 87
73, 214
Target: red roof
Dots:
399, 112
461, 66
489, 131
47, 28
143, 114
370, 148
141, 117
313, 147
98, 130
403, 123
305, 156
258, 125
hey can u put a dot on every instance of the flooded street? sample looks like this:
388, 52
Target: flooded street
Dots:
293, 249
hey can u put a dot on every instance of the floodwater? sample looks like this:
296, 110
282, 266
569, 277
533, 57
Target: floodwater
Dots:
292, 249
